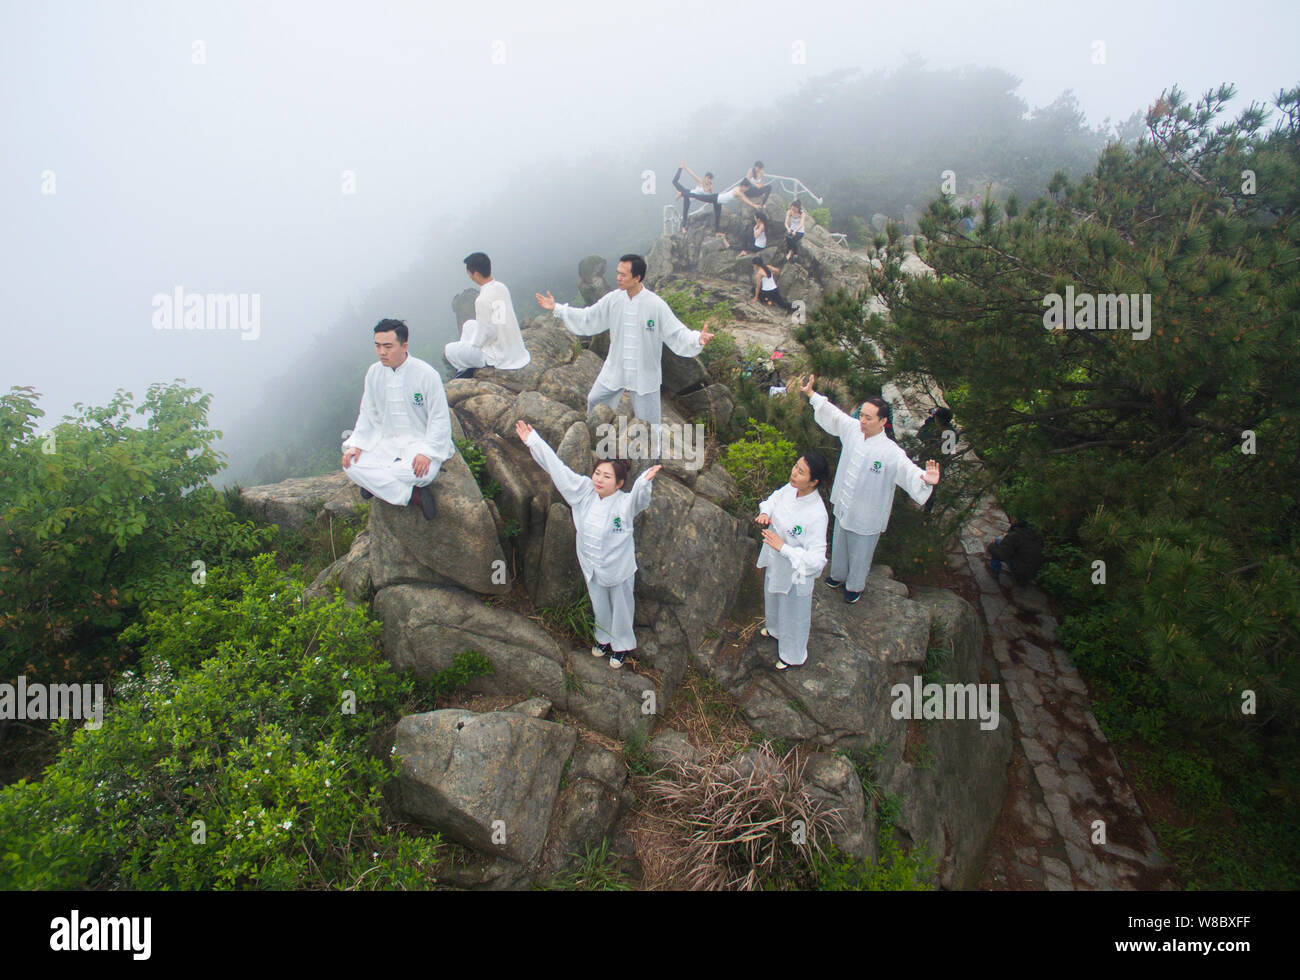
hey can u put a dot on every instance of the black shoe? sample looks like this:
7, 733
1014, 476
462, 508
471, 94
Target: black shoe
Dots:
833, 583
851, 596
366, 494
424, 497
467, 373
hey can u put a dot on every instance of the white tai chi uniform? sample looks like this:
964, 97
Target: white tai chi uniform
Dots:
491, 338
863, 494
403, 414
606, 551
788, 586
638, 329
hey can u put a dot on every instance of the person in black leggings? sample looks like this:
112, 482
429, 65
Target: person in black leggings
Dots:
765, 293
705, 194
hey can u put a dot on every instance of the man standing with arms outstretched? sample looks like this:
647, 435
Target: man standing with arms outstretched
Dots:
639, 324
403, 431
492, 337
871, 465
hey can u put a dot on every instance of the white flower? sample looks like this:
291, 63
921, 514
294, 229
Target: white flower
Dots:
345, 674
287, 824
327, 782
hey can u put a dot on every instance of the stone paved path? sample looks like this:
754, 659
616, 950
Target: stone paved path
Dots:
1065, 776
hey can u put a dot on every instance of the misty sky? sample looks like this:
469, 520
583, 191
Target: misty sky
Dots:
203, 145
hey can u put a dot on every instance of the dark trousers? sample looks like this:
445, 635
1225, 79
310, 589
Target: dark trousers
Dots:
773, 297
688, 196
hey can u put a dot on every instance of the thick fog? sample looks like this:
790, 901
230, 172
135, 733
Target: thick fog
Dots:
332, 163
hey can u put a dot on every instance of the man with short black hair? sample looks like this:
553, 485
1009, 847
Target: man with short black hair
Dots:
871, 465
403, 431
491, 338
639, 324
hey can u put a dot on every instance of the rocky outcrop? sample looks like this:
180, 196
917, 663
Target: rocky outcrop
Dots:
486, 780
859, 652
591, 279
294, 504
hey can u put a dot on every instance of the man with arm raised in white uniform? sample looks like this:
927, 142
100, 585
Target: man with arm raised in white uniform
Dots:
403, 431
492, 337
639, 324
871, 465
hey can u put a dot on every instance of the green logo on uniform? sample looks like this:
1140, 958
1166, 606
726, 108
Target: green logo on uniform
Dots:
419, 398
876, 466
649, 324
618, 524
797, 529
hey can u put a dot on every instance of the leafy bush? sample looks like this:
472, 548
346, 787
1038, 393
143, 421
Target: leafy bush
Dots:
464, 668
759, 463
821, 216
102, 519
477, 464
235, 757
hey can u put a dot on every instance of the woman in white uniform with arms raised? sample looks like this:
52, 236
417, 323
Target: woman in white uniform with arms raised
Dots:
603, 517
794, 526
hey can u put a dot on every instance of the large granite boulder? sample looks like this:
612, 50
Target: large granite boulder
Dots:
295, 503
488, 780
459, 545
591, 279
425, 627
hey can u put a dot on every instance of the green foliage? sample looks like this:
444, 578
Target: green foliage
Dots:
1173, 459
597, 871
477, 464
821, 216
573, 616
697, 312
759, 463
894, 870
634, 751
102, 519
465, 666
250, 714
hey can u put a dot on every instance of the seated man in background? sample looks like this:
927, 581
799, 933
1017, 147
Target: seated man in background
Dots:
403, 431
492, 337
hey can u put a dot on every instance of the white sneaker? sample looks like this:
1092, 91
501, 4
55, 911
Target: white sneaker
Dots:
596, 651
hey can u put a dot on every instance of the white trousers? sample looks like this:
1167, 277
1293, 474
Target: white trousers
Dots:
614, 606
851, 557
789, 620
462, 355
389, 480
645, 407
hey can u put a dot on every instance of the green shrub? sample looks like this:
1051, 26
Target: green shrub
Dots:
822, 216
235, 757
103, 517
759, 463
477, 464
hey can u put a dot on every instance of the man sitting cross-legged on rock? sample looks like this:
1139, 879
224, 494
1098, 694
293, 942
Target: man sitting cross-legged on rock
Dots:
403, 431
871, 465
